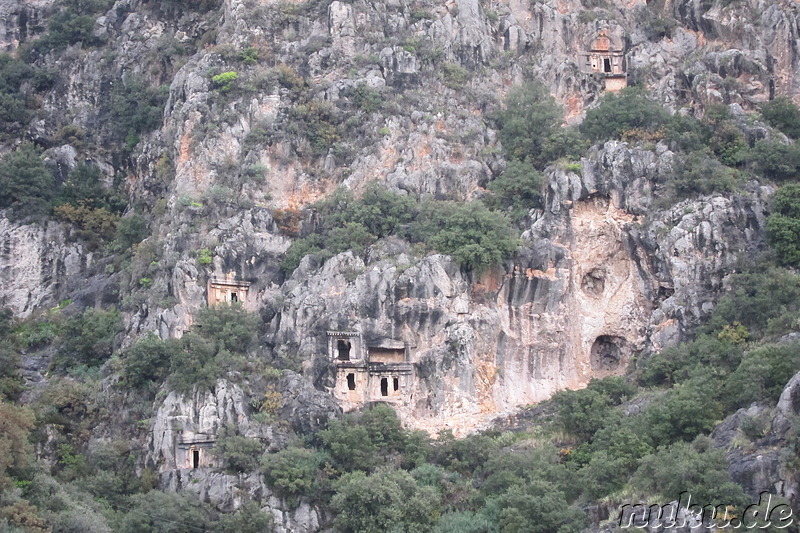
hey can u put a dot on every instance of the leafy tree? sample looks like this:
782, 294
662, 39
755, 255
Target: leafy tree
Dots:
15, 426
698, 468
472, 234
247, 519
617, 113
239, 453
783, 225
292, 471
685, 411
88, 338
777, 161
531, 115
518, 189
388, 500
583, 412
161, 512
26, 185
762, 375
781, 113
148, 361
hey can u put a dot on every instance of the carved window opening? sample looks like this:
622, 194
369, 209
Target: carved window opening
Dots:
384, 386
234, 297
343, 347
606, 65
396, 384
195, 458
351, 381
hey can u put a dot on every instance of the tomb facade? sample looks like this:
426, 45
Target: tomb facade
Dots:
606, 56
227, 290
379, 372
193, 450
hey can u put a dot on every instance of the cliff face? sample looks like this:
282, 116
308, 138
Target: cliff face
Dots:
602, 276
597, 282
605, 272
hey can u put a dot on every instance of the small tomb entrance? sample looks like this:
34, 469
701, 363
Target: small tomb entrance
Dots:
606, 56
227, 290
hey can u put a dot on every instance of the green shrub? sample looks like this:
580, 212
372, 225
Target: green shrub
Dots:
472, 234
388, 500
84, 185
238, 453
679, 363
518, 189
205, 257
249, 518
88, 339
349, 446
454, 76
366, 99
135, 109
18, 84
531, 116
26, 185
617, 113
217, 344
316, 121
781, 113
765, 300
783, 225
147, 362
72, 24
224, 82
583, 412
230, 327
689, 409
697, 468
130, 230
536, 507
475, 236
777, 161
762, 375
292, 471
249, 55
161, 512
696, 174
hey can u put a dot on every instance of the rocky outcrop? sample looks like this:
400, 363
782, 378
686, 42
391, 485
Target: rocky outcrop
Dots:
601, 276
36, 265
22, 21
756, 443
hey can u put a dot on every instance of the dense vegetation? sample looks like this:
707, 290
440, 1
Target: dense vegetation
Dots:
365, 467
474, 235
640, 437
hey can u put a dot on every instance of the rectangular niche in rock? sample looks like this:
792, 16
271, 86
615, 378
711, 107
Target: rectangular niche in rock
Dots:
344, 346
227, 290
195, 451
